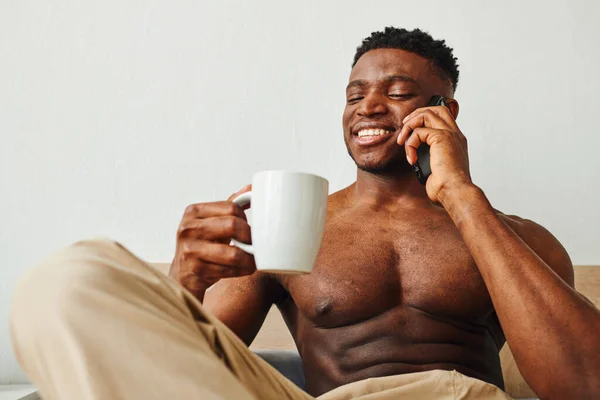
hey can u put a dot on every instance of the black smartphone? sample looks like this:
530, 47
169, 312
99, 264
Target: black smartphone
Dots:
422, 166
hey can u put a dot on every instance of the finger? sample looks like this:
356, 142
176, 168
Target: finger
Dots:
425, 118
442, 112
245, 189
218, 253
419, 136
215, 228
214, 209
445, 114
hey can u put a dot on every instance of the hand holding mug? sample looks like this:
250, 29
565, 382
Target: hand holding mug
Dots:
203, 255
213, 239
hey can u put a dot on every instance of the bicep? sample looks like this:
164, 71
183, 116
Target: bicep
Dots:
546, 246
242, 303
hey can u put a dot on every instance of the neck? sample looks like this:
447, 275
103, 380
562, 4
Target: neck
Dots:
394, 189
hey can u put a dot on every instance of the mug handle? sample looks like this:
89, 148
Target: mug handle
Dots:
241, 201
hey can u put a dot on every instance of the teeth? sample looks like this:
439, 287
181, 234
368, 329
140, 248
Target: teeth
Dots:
373, 132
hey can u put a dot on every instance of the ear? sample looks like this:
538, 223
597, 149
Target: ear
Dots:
452, 105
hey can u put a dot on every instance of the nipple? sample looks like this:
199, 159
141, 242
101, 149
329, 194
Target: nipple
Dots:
324, 306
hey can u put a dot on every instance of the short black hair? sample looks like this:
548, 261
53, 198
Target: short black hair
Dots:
415, 41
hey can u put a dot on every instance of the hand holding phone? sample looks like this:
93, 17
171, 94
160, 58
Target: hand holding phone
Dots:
422, 166
436, 126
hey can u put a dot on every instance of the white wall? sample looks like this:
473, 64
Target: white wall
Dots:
115, 114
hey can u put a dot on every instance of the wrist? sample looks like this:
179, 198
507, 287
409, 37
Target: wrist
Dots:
195, 286
457, 192
460, 200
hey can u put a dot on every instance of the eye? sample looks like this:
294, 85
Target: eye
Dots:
401, 96
355, 99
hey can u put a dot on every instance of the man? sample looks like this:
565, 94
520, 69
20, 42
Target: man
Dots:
413, 293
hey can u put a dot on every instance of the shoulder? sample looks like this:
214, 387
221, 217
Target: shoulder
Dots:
342, 196
543, 243
340, 200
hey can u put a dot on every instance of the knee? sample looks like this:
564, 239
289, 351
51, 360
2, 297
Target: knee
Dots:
57, 288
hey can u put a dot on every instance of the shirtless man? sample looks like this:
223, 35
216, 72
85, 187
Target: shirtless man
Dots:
410, 279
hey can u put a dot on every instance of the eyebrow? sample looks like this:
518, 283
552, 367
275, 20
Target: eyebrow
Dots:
387, 79
401, 78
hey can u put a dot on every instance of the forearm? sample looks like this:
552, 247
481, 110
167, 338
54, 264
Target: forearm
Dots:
552, 330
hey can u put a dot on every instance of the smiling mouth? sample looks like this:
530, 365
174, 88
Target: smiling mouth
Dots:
373, 132
372, 136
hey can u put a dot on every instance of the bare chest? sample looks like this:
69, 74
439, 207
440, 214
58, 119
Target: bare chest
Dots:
368, 265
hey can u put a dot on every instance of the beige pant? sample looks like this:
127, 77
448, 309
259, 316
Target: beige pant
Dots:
95, 322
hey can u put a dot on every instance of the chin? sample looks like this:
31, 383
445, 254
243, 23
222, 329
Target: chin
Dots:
382, 166
377, 169
371, 166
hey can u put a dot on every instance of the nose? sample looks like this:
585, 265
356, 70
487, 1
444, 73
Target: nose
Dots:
371, 105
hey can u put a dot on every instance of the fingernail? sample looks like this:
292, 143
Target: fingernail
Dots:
408, 159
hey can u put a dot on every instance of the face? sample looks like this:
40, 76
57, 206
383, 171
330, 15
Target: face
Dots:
385, 86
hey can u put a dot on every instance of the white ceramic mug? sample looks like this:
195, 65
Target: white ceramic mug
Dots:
288, 218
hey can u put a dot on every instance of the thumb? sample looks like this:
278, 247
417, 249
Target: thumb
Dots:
245, 189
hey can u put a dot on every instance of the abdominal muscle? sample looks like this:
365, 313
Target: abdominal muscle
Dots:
397, 341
